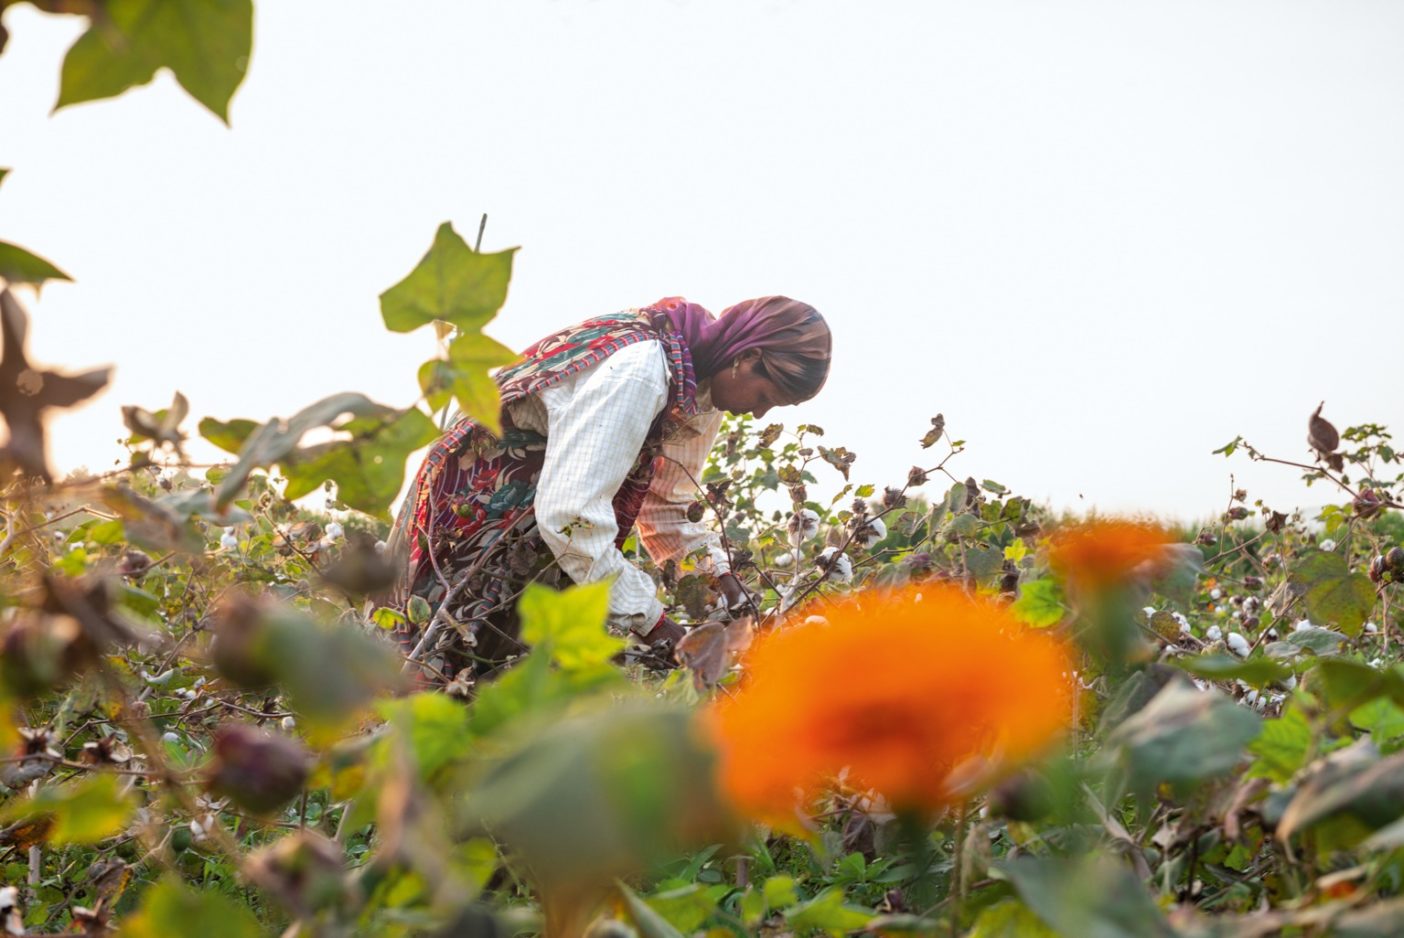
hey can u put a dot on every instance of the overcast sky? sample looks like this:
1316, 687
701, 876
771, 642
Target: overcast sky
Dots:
1102, 238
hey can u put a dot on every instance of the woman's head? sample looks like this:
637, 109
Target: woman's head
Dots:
760, 353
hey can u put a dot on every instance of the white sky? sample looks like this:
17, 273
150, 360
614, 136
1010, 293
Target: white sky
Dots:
1102, 237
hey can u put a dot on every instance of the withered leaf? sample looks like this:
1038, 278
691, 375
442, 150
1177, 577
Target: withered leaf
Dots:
710, 650
770, 434
938, 427
25, 393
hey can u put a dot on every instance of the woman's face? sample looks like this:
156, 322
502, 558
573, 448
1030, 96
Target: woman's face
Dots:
741, 390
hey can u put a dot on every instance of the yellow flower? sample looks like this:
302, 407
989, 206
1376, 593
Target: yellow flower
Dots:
911, 692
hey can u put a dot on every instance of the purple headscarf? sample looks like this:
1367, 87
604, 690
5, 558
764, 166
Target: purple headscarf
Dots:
792, 337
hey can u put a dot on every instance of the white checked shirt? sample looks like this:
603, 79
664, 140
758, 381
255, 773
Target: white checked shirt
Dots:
595, 423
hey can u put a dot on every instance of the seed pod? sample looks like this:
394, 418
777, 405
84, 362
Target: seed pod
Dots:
893, 498
1321, 433
1251, 582
304, 870
916, 476
40, 652
240, 651
133, 563
1236, 513
1026, 796
1394, 563
696, 512
257, 770
1275, 521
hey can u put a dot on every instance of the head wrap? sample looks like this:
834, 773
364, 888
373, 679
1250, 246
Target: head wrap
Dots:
792, 337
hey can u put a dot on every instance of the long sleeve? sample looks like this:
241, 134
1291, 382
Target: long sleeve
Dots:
663, 526
597, 423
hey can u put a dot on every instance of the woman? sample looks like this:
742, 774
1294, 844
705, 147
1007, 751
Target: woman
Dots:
604, 425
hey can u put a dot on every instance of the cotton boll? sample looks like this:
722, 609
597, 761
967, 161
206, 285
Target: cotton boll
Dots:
334, 531
1216, 594
1302, 625
1149, 611
288, 724
1250, 698
171, 737
839, 566
1376, 662
380, 547
804, 524
1214, 633
1238, 644
873, 532
1183, 622
1290, 682
816, 620
1328, 545
787, 559
228, 540
1371, 628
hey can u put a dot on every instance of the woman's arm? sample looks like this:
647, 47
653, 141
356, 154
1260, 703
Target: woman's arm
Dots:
597, 423
663, 526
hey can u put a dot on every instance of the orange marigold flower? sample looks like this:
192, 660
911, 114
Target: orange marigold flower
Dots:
904, 690
1099, 554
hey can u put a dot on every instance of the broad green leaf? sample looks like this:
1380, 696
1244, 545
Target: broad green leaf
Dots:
172, 910
471, 355
601, 794
1183, 735
229, 436
1010, 918
1091, 897
570, 624
1282, 747
205, 43
533, 688
1040, 603
20, 266
1352, 783
1332, 593
435, 725
83, 812
453, 283
368, 468
983, 562
1315, 639
1351, 684
649, 923
827, 912
1257, 671
1382, 718
780, 892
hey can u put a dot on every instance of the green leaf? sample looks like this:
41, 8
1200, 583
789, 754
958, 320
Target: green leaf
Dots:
20, 266
1282, 747
83, 812
435, 725
1257, 671
1351, 783
983, 562
1382, 718
453, 283
602, 794
1010, 918
828, 913
368, 468
1314, 639
1040, 603
1183, 735
780, 892
171, 910
205, 43
1333, 594
1092, 897
570, 624
230, 436
1351, 684
649, 923
464, 377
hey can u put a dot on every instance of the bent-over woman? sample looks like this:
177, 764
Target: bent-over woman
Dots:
606, 425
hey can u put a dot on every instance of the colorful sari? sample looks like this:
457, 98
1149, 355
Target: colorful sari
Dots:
467, 530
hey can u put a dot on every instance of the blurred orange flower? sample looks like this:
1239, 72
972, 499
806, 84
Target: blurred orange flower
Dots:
1099, 554
917, 694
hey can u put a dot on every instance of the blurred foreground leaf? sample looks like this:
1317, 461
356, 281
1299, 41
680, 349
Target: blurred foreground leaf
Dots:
205, 44
1092, 897
82, 812
171, 910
